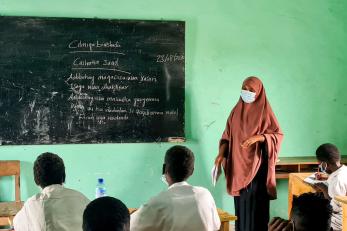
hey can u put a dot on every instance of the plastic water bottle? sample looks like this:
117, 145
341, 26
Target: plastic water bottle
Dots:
100, 190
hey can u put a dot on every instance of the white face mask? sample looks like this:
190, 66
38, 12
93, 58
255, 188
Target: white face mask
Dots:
163, 179
247, 96
323, 167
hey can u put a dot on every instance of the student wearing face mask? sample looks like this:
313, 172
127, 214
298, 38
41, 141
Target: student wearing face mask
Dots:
182, 207
329, 157
248, 151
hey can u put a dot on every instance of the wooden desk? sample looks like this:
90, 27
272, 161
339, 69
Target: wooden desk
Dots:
224, 217
8, 210
297, 186
303, 164
343, 201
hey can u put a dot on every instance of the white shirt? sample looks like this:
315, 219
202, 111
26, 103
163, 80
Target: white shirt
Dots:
181, 208
337, 182
54, 209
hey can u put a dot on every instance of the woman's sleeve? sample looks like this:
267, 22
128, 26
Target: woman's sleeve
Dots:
273, 144
273, 139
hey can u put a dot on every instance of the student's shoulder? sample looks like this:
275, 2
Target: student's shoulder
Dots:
342, 174
37, 198
74, 193
160, 202
201, 189
160, 198
157, 204
344, 169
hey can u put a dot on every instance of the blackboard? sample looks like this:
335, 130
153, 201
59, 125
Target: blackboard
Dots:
70, 80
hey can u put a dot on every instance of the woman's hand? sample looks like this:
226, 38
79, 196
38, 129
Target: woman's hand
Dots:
223, 149
219, 160
253, 140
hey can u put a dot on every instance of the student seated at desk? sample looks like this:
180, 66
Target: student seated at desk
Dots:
329, 157
310, 212
106, 214
182, 207
55, 208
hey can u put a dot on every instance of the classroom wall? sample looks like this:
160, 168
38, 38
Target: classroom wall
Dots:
298, 48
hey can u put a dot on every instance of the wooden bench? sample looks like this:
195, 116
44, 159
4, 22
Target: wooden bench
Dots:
9, 209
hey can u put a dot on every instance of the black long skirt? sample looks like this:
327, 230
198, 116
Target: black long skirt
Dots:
253, 204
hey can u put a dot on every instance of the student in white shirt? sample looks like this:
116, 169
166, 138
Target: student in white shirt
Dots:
329, 157
55, 208
182, 207
106, 214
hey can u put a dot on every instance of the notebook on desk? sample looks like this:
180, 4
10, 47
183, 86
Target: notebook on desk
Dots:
311, 179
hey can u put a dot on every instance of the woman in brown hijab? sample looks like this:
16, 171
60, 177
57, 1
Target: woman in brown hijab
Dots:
248, 152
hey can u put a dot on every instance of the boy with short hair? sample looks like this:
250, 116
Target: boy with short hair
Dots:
330, 160
182, 207
55, 208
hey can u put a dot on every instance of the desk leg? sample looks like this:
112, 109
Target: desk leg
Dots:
290, 195
344, 217
224, 226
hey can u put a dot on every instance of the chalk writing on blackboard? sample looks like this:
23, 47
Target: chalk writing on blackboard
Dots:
91, 80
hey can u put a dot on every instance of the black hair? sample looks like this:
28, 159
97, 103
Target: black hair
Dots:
106, 213
311, 212
49, 169
179, 163
328, 153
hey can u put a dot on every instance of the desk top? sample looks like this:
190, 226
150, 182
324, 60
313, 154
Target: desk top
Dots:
224, 216
301, 175
297, 184
342, 199
10, 208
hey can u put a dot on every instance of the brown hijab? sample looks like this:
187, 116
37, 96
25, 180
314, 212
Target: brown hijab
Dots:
247, 120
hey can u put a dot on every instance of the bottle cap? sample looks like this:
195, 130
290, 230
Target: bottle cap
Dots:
100, 180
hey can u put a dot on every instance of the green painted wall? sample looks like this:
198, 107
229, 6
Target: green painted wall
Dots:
298, 48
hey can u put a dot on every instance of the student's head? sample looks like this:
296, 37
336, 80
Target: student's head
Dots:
106, 213
329, 157
311, 211
178, 164
49, 169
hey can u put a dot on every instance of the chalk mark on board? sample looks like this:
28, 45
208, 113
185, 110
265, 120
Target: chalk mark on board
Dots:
209, 125
108, 52
32, 105
99, 68
168, 82
53, 93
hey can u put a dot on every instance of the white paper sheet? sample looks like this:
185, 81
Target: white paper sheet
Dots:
311, 179
215, 173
